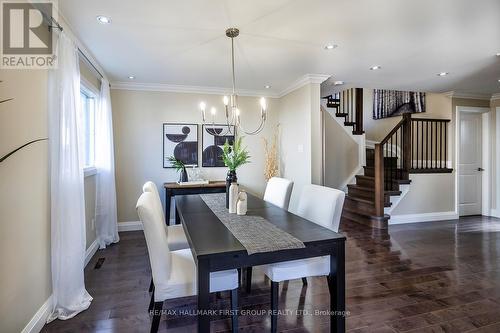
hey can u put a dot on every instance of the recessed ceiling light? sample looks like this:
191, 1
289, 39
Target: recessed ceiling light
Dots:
374, 68
330, 46
103, 19
338, 83
131, 77
267, 86
442, 74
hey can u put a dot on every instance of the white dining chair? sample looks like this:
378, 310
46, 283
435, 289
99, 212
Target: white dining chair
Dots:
174, 272
323, 206
278, 191
175, 233
176, 237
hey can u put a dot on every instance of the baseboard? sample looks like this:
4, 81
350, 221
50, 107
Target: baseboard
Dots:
129, 226
36, 323
89, 253
425, 217
495, 213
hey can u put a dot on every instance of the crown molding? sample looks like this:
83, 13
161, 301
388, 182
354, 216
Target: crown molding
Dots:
454, 94
495, 97
306, 79
188, 89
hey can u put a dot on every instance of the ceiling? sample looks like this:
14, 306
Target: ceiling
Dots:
184, 42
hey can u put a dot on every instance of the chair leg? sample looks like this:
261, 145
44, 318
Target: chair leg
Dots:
151, 286
249, 280
234, 310
304, 281
151, 302
156, 316
274, 305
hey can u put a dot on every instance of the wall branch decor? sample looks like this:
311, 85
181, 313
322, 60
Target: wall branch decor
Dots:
6, 156
3, 158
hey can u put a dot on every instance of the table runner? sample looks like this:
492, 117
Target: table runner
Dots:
255, 233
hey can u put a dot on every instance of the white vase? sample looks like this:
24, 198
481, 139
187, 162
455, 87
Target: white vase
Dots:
233, 197
241, 207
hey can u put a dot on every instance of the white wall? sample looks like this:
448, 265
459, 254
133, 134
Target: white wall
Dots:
300, 141
138, 118
341, 153
25, 280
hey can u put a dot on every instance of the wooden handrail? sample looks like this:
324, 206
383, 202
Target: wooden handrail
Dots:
431, 119
391, 133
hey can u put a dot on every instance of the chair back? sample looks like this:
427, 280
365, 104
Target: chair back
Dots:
156, 238
149, 186
278, 191
321, 205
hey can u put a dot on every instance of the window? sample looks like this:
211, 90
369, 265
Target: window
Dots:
88, 104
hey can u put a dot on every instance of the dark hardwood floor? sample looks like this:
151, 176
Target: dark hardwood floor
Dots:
426, 277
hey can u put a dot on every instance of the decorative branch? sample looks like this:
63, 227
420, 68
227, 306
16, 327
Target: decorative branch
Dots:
6, 100
3, 158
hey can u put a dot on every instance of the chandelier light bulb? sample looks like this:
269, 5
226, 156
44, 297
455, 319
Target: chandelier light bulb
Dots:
263, 104
213, 111
226, 100
203, 106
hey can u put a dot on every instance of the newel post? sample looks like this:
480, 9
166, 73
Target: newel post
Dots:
407, 151
379, 180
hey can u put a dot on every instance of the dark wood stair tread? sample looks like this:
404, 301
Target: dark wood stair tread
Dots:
371, 189
341, 114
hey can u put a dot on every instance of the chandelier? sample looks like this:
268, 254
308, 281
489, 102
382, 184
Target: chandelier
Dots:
231, 110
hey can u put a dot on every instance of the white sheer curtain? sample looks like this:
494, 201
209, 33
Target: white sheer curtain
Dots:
66, 180
106, 220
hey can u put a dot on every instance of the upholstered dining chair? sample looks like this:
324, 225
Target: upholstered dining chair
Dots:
174, 272
175, 233
176, 237
323, 206
278, 191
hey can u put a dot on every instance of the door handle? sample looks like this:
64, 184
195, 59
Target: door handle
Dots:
480, 169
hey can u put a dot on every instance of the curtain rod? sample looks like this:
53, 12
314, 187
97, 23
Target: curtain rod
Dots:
54, 24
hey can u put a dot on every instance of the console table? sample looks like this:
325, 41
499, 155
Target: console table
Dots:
173, 189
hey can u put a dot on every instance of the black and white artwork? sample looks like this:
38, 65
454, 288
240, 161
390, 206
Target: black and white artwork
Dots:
391, 103
180, 141
214, 137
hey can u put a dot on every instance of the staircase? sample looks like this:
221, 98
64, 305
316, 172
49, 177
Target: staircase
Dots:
348, 104
414, 145
359, 204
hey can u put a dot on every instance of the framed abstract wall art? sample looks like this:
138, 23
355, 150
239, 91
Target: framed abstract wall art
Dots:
180, 141
213, 138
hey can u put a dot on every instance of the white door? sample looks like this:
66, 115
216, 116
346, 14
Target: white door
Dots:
470, 168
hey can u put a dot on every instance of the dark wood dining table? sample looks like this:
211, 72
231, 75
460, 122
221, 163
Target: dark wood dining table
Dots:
215, 248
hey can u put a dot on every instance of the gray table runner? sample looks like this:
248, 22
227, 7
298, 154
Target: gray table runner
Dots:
255, 233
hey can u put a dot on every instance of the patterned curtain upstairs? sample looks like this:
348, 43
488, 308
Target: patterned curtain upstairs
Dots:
390, 103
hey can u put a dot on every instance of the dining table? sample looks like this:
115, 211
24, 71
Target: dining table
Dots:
215, 248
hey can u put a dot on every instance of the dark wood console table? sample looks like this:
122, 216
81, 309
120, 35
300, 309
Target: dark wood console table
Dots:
173, 189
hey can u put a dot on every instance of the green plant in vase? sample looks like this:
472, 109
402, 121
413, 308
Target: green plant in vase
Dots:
233, 156
179, 166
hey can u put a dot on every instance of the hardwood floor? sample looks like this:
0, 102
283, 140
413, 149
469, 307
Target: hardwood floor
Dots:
427, 277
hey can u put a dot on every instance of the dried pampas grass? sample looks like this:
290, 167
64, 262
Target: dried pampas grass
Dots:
271, 167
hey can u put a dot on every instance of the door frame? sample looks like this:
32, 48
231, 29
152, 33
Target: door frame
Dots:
486, 156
